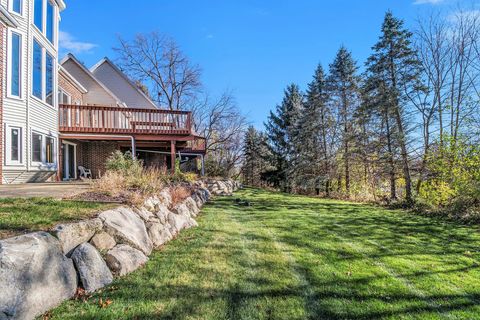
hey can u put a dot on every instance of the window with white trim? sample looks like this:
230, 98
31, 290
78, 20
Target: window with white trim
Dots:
64, 97
43, 74
43, 148
13, 148
37, 143
16, 6
15, 65
44, 18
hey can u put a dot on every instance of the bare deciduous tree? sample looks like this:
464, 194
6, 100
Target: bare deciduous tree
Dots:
156, 59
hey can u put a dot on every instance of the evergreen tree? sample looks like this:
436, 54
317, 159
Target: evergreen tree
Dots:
317, 126
395, 64
255, 157
282, 131
343, 89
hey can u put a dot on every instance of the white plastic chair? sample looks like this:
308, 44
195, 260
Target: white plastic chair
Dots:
85, 173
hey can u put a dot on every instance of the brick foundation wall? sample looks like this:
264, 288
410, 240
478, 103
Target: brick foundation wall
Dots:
70, 88
2, 94
93, 155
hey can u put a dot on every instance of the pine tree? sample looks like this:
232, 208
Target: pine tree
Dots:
316, 131
343, 89
396, 64
282, 132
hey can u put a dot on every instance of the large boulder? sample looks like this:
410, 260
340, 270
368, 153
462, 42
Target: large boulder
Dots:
92, 270
162, 213
127, 228
192, 206
103, 241
182, 209
165, 197
145, 214
124, 259
152, 203
35, 276
72, 234
179, 222
158, 233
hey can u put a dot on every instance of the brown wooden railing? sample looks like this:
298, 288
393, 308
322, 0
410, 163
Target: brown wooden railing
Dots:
198, 144
101, 119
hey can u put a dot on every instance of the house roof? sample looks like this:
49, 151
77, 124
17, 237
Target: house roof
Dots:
91, 75
7, 18
124, 76
72, 79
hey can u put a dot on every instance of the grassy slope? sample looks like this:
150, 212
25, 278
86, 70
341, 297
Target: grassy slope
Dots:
25, 215
291, 257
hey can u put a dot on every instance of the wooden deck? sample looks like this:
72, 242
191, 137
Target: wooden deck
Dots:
94, 122
118, 120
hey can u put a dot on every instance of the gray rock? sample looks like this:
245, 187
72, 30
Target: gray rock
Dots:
192, 206
182, 209
35, 276
159, 234
162, 213
165, 197
152, 203
92, 270
144, 213
127, 228
72, 234
179, 222
103, 241
124, 259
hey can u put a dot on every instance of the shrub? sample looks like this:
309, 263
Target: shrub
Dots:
124, 163
128, 178
179, 193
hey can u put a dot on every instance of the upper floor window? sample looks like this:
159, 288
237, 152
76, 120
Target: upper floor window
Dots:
64, 97
49, 79
38, 14
37, 88
15, 64
16, 6
44, 18
50, 21
43, 74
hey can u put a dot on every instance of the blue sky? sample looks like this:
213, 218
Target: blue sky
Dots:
252, 48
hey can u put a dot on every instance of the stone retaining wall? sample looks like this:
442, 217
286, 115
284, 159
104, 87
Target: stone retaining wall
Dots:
40, 270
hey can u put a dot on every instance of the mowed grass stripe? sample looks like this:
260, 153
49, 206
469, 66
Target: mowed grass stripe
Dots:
294, 257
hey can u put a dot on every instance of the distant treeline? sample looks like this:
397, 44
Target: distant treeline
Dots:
405, 130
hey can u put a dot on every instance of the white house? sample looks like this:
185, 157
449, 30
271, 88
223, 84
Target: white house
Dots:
57, 116
29, 95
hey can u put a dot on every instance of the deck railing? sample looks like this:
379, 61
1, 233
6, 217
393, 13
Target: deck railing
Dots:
101, 119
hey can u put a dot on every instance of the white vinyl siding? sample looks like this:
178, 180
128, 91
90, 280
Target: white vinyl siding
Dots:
28, 112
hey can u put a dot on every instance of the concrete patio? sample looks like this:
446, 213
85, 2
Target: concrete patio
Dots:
57, 190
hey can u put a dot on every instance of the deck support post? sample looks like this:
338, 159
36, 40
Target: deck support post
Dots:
134, 149
203, 165
172, 155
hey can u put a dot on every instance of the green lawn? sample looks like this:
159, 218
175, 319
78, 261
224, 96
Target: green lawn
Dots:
19, 216
292, 257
